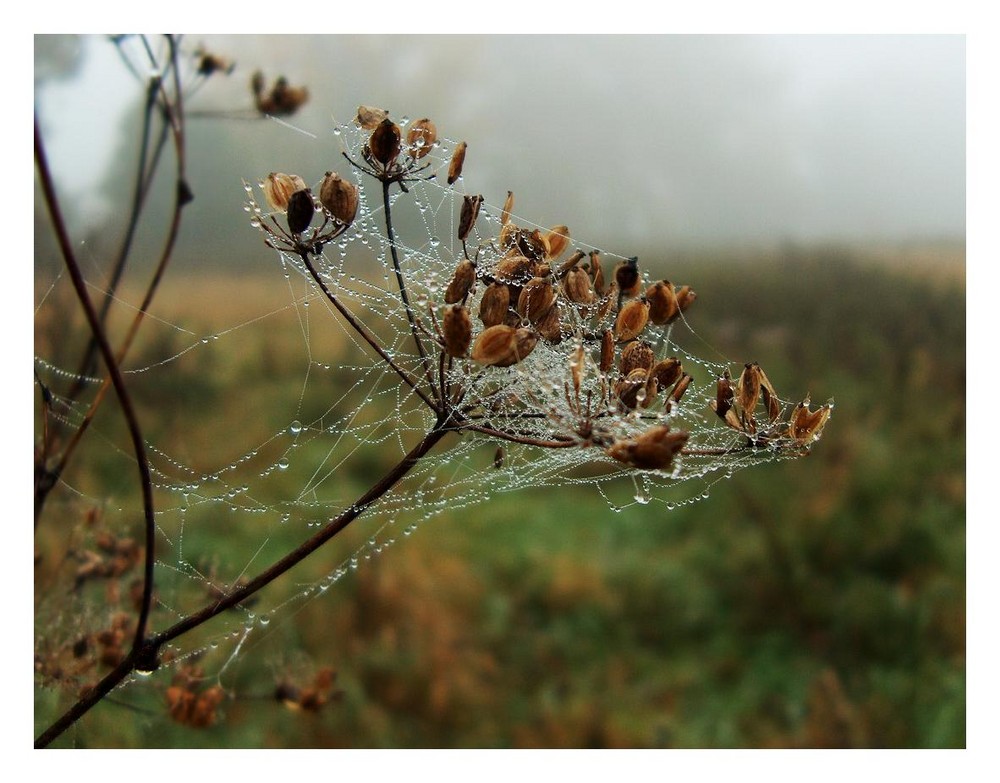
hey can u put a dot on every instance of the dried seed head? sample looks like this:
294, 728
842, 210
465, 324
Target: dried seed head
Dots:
385, 142
685, 297
502, 345
536, 299
550, 326
652, 450
724, 395
577, 366
748, 388
556, 241
627, 277
770, 397
278, 188
508, 205
667, 372
663, 306
461, 283
494, 304
607, 350
300, 211
569, 263
636, 355
498, 457
470, 211
339, 197
514, 270
577, 286
681, 387
628, 389
806, 426
420, 138
597, 272
631, 320
369, 117
457, 161
533, 244
608, 303
457, 331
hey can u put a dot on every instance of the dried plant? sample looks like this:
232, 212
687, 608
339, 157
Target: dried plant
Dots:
526, 339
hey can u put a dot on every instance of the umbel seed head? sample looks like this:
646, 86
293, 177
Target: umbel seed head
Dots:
278, 188
420, 138
339, 197
385, 142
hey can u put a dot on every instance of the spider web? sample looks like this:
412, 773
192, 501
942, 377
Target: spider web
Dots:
284, 486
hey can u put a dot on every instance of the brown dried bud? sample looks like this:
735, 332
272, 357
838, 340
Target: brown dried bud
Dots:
470, 211
569, 263
631, 390
502, 345
339, 197
724, 395
652, 450
663, 306
806, 426
515, 270
681, 387
667, 372
494, 304
278, 188
457, 161
532, 245
627, 277
636, 355
685, 297
461, 283
550, 326
577, 286
508, 205
300, 211
384, 142
631, 320
457, 330
536, 299
420, 138
556, 241
369, 117
597, 272
748, 389
577, 366
770, 397
607, 351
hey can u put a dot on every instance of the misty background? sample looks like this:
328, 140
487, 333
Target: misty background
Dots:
638, 143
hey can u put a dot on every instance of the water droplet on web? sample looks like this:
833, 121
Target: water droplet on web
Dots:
283, 463
264, 619
404, 121
295, 427
434, 241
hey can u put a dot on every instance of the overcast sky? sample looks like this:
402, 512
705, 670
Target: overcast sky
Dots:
682, 140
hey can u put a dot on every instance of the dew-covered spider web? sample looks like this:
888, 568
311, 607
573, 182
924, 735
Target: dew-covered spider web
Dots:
348, 415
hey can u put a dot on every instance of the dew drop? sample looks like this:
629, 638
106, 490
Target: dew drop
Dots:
264, 619
283, 463
295, 427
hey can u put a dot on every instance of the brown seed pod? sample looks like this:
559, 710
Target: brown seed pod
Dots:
556, 240
339, 197
637, 354
514, 270
607, 351
608, 303
685, 297
470, 211
300, 211
457, 331
667, 372
748, 389
420, 138
577, 288
461, 282
770, 397
631, 320
508, 205
627, 277
457, 161
723, 396
494, 304
569, 263
663, 306
597, 272
550, 325
681, 387
531, 245
577, 366
385, 142
536, 299
369, 117
806, 426
278, 188
631, 390
654, 449
502, 345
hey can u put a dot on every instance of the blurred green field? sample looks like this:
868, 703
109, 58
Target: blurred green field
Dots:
810, 603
